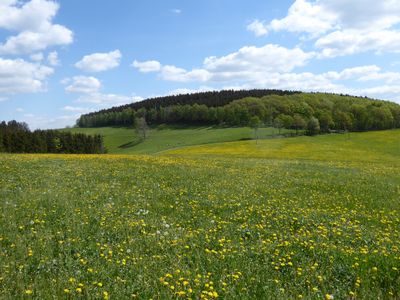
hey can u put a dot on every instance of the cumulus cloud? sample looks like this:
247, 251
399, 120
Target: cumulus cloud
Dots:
258, 28
33, 23
88, 88
20, 76
47, 122
342, 27
353, 73
52, 59
305, 16
105, 100
77, 109
147, 66
37, 56
83, 85
347, 42
245, 64
98, 62
182, 91
267, 58
89, 92
173, 73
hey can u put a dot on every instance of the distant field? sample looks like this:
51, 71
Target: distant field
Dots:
125, 140
373, 146
311, 218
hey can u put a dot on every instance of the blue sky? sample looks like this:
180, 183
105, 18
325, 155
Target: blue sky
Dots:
61, 59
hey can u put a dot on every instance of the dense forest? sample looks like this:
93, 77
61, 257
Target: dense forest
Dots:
16, 137
316, 112
209, 99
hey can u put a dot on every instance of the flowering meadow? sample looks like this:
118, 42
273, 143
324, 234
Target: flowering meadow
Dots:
200, 227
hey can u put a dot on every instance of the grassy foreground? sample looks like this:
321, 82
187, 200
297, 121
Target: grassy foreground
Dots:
219, 227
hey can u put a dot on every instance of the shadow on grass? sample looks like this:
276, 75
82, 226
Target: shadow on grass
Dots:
130, 144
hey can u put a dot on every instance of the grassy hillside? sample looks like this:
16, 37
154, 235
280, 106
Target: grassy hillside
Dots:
374, 146
126, 141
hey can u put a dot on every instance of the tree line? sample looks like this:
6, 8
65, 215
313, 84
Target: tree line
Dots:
210, 99
315, 112
15, 137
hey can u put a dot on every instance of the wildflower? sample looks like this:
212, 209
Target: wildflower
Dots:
105, 295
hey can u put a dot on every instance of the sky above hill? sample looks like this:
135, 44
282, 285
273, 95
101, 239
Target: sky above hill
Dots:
59, 59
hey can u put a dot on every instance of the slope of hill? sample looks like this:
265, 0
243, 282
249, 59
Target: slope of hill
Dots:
122, 140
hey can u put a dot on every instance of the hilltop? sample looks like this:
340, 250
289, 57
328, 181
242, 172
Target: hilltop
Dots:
314, 112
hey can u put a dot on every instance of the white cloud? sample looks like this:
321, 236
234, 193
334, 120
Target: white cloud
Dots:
387, 77
364, 14
88, 88
258, 28
33, 22
268, 58
98, 62
37, 57
324, 15
83, 85
147, 66
365, 74
52, 59
304, 81
48, 122
183, 91
344, 27
77, 109
106, 100
304, 16
246, 64
20, 76
347, 42
383, 89
352, 73
173, 73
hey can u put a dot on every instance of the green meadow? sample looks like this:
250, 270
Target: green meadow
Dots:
278, 218
122, 140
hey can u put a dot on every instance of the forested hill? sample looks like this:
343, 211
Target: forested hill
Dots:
210, 99
282, 109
